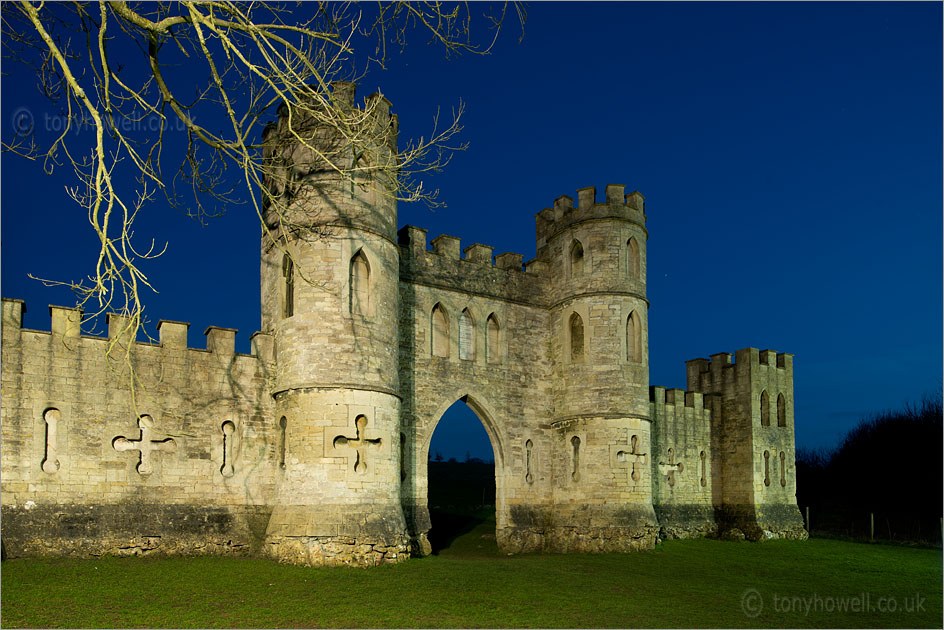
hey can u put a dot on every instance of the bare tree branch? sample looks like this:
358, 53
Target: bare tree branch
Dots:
257, 58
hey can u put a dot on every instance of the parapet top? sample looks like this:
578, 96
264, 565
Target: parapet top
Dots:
674, 396
617, 204
67, 320
744, 355
338, 112
586, 197
413, 240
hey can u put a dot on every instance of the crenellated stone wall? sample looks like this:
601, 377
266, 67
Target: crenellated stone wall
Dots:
681, 463
183, 466
313, 449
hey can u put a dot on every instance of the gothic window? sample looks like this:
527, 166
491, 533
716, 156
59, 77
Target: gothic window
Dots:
466, 336
576, 259
288, 272
576, 339
764, 409
492, 348
360, 284
440, 332
632, 255
633, 338
781, 411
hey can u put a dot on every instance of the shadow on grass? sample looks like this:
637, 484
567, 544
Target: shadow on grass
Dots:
463, 532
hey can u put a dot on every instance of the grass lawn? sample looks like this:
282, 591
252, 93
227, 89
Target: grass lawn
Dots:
697, 583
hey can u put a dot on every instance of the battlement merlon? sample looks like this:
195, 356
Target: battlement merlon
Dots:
708, 375
447, 246
220, 340
66, 321
412, 239
13, 311
510, 261
172, 334
563, 214
478, 253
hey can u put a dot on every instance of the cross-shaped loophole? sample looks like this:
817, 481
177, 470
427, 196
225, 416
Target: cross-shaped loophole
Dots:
359, 443
670, 469
144, 444
637, 460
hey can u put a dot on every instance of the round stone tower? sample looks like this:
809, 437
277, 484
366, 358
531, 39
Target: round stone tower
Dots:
596, 253
330, 269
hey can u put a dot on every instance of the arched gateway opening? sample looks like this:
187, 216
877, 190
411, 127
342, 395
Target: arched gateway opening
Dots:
463, 451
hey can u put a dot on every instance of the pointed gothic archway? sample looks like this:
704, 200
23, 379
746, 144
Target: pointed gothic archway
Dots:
420, 473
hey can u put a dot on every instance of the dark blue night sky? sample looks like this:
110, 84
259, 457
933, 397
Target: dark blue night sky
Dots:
790, 155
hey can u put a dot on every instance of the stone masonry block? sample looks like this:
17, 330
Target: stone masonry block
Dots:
478, 253
614, 194
447, 246
509, 260
221, 340
586, 197
66, 321
172, 334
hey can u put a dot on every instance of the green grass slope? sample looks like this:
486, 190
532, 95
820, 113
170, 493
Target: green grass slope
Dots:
468, 584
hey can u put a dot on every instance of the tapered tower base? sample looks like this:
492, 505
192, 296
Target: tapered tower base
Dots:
335, 536
761, 522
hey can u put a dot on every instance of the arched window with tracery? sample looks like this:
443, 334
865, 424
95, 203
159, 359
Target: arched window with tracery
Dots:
492, 345
633, 338
439, 326
576, 258
576, 338
360, 284
466, 336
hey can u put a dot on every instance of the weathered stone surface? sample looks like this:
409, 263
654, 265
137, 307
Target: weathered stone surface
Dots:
589, 528
313, 450
132, 529
334, 551
686, 521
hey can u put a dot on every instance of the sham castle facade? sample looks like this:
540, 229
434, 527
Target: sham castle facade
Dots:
313, 448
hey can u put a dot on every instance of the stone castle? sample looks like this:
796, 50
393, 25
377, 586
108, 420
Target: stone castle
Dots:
313, 448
